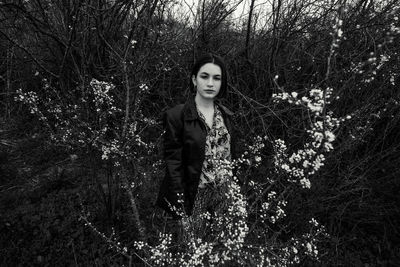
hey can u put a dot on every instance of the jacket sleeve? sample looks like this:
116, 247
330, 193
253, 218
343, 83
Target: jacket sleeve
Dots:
173, 146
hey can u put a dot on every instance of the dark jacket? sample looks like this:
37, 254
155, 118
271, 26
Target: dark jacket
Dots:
184, 149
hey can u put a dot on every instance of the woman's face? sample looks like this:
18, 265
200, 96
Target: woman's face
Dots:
208, 81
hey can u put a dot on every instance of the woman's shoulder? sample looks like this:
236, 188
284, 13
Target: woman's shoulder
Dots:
175, 111
226, 110
174, 114
181, 110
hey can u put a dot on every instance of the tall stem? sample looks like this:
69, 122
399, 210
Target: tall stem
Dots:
135, 211
127, 98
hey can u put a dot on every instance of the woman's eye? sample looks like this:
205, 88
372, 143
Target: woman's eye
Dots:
217, 78
204, 77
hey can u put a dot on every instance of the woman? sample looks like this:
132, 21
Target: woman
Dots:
197, 144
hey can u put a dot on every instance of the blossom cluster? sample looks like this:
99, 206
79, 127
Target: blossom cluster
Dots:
337, 33
111, 148
144, 88
252, 154
308, 241
160, 254
101, 93
198, 250
272, 209
371, 66
304, 162
235, 219
376, 61
296, 248
31, 100
223, 170
394, 27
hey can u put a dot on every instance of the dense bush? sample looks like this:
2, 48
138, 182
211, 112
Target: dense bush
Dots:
316, 101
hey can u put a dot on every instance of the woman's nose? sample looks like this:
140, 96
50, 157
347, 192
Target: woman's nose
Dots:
210, 82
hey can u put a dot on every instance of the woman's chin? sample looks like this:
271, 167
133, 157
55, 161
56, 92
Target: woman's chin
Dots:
208, 96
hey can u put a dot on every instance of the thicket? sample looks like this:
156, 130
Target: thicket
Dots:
314, 88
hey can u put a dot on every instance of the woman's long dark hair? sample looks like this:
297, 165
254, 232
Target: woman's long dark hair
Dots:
217, 60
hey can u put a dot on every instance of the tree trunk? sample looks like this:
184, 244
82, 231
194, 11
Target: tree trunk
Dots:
249, 29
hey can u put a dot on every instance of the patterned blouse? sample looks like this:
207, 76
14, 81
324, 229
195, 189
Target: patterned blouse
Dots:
217, 151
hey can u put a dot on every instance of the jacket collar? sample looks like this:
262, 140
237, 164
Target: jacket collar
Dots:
190, 110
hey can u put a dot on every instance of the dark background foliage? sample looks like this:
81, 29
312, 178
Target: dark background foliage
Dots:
44, 184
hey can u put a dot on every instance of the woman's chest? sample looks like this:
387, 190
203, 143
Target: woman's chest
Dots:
197, 136
208, 118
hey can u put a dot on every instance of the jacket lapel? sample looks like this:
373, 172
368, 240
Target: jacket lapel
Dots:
190, 111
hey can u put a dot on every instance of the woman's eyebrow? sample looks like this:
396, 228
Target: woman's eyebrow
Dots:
209, 74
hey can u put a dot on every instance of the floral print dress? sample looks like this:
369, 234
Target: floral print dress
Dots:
216, 170
217, 150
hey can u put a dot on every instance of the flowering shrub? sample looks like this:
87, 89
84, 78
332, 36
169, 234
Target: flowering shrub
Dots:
305, 162
69, 124
232, 238
229, 240
255, 229
91, 121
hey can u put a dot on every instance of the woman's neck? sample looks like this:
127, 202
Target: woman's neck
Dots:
203, 103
